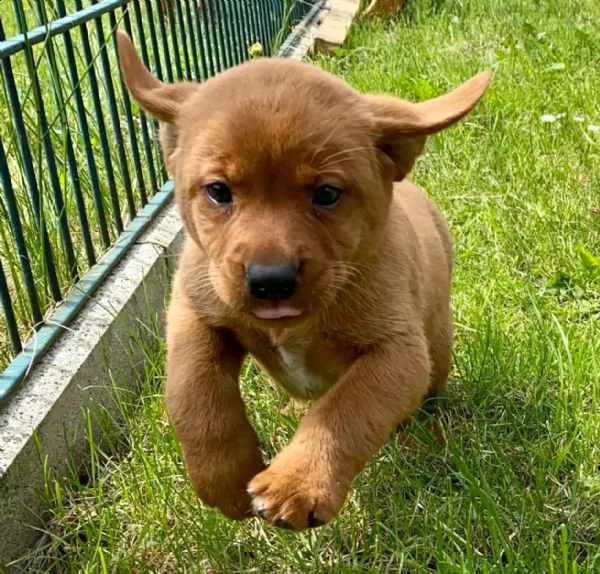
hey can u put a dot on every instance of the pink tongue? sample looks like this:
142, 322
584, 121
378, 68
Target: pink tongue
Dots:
277, 312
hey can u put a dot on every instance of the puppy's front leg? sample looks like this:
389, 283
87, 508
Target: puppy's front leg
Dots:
219, 446
308, 482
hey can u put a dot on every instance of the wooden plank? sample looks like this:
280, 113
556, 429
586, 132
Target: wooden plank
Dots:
336, 24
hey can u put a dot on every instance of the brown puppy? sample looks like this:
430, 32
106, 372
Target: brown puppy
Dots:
304, 253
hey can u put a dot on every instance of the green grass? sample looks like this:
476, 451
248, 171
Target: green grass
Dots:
517, 488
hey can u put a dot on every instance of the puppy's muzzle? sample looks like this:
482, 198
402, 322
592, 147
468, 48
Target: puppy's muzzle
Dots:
272, 281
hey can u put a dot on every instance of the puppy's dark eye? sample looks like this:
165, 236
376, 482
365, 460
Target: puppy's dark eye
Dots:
219, 193
327, 195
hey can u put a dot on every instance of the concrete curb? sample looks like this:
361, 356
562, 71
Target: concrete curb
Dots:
47, 413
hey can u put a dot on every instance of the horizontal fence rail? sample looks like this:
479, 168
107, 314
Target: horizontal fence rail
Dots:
81, 174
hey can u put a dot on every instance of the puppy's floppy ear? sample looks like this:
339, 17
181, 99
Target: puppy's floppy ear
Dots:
163, 101
401, 127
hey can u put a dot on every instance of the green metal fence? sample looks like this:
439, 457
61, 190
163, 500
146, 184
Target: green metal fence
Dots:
80, 169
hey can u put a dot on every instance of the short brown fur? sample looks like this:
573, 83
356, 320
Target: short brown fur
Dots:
374, 336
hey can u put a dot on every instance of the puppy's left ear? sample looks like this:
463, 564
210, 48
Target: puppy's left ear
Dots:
402, 127
163, 101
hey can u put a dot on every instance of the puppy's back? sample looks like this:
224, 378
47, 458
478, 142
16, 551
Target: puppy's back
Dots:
428, 221
434, 252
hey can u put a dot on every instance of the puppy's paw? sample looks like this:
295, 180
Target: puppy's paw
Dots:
223, 483
232, 500
294, 493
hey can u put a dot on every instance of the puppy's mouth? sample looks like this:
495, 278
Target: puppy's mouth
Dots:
276, 310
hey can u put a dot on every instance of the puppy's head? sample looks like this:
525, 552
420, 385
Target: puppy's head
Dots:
283, 174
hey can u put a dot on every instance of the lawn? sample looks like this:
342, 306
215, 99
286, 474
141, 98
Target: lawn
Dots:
517, 486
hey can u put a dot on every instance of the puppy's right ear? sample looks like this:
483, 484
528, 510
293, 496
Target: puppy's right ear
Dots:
163, 101
401, 127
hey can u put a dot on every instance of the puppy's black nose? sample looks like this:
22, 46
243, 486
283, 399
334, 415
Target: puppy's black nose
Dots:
275, 281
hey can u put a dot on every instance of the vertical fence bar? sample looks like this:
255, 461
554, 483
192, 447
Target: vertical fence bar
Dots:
114, 115
214, 64
142, 117
195, 54
262, 14
295, 12
254, 13
26, 157
221, 7
165, 46
135, 151
154, 39
9, 314
174, 41
236, 26
55, 185
85, 131
158, 70
101, 126
148, 147
241, 32
19, 11
259, 27
230, 32
270, 24
256, 23
183, 37
280, 14
74, 173
202, 53
17, 231
273, 23
247, 26
225, 60
281, 17
71, 162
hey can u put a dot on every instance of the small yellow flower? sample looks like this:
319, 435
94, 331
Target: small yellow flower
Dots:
256, 50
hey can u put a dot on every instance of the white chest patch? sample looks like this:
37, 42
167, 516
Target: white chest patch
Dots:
304, 382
